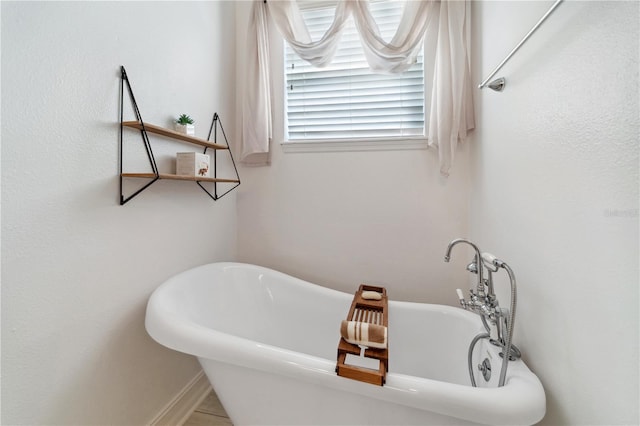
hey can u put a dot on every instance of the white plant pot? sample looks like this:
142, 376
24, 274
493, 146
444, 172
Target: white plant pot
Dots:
187, 129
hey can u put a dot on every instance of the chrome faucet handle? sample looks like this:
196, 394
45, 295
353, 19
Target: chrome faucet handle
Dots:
461, 297
479, 303
473, 266
476, 302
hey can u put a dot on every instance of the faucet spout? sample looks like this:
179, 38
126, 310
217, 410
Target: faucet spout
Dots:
478, 259
447, 255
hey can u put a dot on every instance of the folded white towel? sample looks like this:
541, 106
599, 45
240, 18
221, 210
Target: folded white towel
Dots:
364, 334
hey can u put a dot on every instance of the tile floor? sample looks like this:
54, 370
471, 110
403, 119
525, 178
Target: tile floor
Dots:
209, 413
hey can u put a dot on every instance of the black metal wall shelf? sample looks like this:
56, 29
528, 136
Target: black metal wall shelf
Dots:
155, 175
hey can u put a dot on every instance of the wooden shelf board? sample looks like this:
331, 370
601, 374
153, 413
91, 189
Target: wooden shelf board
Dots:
172, 134
178, 177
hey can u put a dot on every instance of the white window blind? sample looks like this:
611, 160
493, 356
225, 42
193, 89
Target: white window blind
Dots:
346, 100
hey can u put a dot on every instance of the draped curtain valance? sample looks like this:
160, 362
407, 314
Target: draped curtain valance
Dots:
451, 111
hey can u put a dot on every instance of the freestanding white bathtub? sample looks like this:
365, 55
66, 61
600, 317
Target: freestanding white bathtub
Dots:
267, 342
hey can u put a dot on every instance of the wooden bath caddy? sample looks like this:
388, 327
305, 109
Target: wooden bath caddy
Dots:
372, 312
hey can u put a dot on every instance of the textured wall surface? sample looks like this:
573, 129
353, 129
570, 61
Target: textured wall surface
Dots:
556, 196
77, 268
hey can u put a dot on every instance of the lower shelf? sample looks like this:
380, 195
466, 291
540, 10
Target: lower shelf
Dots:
178, 177
200, 180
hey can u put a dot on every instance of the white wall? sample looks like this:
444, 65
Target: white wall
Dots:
77, 268
342, 218
556, 196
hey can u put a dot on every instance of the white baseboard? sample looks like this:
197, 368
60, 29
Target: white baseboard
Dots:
180, 408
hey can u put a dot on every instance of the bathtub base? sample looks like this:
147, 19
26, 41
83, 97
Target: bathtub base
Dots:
252, 397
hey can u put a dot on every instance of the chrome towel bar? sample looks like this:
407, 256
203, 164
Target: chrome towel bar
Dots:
498, 85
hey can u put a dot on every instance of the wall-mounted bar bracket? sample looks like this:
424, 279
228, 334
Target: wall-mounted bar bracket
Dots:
497, 84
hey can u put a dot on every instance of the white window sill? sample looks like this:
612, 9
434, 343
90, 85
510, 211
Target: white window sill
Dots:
354, 145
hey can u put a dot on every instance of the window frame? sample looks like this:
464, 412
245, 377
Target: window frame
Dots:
279, 96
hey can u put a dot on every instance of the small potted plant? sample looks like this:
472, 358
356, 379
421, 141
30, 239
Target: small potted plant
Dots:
184, 124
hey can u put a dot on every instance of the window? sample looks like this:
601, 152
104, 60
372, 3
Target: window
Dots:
346, 100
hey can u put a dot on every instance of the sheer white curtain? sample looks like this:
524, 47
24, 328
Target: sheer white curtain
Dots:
451, 112
451, 107
401, 52
256, 104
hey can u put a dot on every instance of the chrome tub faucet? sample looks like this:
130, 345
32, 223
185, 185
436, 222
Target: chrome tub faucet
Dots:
497, 321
